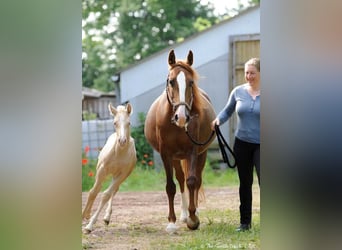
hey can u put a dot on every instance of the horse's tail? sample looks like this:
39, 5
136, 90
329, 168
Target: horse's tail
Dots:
201, 194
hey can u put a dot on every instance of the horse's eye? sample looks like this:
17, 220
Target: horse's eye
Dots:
191, 82
172, 82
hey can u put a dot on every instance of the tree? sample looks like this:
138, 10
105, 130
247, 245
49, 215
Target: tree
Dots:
145, 27
98, 46
118, 33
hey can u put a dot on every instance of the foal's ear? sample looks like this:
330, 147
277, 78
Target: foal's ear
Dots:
129, 108
190, 58
172, 57
112, 110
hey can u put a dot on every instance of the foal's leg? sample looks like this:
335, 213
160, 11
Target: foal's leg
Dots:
116, 182
108, 213
100, 176
180, 177
106, 195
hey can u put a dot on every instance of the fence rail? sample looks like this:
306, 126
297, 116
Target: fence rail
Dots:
95, 134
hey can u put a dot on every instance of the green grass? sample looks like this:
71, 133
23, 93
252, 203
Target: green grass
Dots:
142, 179
217, 231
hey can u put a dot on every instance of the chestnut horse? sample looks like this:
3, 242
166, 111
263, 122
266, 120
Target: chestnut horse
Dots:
176, 120
117, 158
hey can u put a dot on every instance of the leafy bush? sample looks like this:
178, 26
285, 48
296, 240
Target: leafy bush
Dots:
143, 148
87, 115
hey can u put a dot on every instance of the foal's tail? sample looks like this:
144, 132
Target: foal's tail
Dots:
201, 194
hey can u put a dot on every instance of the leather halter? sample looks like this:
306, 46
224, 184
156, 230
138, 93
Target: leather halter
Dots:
176, 105
188, 107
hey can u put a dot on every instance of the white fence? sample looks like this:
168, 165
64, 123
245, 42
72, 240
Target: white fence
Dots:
95, 134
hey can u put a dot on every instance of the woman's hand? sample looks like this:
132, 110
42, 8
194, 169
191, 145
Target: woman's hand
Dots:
215, 122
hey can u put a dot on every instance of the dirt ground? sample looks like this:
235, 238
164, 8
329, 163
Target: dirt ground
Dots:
139, 217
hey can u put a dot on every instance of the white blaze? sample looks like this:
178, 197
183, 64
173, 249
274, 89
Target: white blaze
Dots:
182, 86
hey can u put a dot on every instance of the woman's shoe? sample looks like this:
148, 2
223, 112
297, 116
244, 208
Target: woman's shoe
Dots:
243, 227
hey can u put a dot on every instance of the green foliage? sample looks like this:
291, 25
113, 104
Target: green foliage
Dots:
118, 33
143, 148
146, 27
87, 116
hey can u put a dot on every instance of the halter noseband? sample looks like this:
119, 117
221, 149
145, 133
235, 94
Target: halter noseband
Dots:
176, 105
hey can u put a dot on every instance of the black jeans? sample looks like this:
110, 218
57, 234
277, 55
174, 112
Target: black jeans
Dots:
247, 156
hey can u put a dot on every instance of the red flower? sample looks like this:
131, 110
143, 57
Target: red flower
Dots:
86, 149
90, 174
84, 161
150, 163
145, 155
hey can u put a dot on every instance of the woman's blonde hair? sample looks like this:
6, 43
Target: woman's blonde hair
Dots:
255, 62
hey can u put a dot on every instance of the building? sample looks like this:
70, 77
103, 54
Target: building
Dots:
219, 56
95, 103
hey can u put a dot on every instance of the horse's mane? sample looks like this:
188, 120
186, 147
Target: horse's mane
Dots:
197, 102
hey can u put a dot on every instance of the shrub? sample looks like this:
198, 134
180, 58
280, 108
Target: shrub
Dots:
143, 148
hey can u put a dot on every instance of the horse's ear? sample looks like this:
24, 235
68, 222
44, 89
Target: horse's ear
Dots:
190, 58
129, 108
112, 110
172, 57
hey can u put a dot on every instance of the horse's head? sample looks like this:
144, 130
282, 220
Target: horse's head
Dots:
180, 88
122, 122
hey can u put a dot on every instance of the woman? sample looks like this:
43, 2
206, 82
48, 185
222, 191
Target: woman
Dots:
245, 101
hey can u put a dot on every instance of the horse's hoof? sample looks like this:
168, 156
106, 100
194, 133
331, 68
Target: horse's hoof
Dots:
193, 224
171, 228
106, 222
86, 231
183, 218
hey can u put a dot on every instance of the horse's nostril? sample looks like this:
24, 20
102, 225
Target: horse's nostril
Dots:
187, 118
176, 117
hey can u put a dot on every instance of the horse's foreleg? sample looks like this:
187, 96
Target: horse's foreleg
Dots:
100, 176
194, 183
192, 221
171, 192
184, 197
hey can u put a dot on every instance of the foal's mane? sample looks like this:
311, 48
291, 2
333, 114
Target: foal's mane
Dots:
197, 102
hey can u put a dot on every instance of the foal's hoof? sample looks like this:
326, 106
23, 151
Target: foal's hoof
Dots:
193, 224
85, 216
86, 231
106, 222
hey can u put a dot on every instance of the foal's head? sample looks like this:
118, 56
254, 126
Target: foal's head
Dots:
122, 122
181, 87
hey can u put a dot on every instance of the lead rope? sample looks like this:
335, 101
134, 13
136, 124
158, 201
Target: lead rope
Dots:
222, 143
199, 143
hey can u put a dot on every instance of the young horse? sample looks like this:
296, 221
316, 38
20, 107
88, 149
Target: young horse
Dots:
117, 158
178, 127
